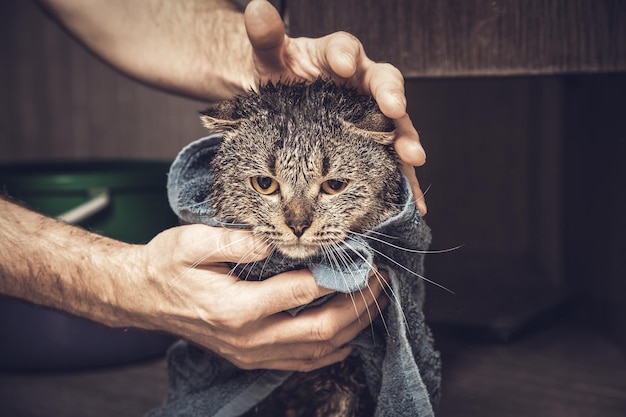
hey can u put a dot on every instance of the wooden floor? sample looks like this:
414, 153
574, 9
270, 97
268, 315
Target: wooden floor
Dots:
564, 369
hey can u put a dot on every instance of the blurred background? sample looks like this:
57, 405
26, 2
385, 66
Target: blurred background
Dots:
521, 108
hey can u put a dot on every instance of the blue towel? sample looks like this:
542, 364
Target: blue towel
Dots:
402, 368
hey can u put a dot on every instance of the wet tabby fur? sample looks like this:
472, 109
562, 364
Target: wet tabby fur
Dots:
304, 165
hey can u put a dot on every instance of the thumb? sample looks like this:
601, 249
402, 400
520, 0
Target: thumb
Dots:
266, 32
283, 291
215, 244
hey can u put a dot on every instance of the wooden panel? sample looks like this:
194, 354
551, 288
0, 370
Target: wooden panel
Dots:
451, 37
59, 102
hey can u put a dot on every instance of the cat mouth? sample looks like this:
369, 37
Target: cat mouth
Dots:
298, 250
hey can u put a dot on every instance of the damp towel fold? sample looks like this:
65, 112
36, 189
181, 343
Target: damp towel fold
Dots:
400, 363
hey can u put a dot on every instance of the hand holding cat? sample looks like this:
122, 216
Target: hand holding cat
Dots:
179, 283
208, 50
341, 57
244, 321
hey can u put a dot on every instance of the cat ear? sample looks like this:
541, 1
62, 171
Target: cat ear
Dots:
377, 126
220, 117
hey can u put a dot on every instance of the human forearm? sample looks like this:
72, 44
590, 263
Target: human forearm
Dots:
197, 48
57, 265
179, 284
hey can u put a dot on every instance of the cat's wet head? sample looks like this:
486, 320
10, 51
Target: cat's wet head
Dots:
303, 165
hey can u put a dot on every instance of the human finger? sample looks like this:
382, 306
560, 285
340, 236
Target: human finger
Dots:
342, 52
282, 292
308, 356
411, 153
280, 345
407, 142
266, 33
418, 194
204, 244
386, 84
336, 322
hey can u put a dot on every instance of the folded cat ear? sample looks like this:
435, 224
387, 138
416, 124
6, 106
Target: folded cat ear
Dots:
376, 126
220, 117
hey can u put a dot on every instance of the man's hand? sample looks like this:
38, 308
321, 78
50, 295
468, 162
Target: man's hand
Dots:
341, 57
190, 292
208, 50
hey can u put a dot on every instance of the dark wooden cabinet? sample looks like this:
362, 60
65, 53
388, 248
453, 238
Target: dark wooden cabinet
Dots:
432, 38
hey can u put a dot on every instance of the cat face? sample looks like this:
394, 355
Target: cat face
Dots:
300, 173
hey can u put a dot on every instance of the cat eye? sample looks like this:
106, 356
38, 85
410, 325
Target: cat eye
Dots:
334, 186
264, 185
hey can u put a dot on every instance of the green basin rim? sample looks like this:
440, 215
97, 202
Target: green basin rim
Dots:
83, 175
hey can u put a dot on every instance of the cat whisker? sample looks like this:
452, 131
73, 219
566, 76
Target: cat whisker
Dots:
379, 277
425, 252
410, 271
389, 292
374, 232
426, 191
347, 261
227, 224
334, 257
423, 197
383, 282
251, 265
266, 261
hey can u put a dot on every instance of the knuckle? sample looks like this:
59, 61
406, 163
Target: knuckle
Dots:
242, 361
321, 350
325, 330
223, 249
307, 366
232, 323
302, 293
230, 245
386, 75
390, 68
243, 344
344, 36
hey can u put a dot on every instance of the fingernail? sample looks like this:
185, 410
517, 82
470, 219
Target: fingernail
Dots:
421, 206
350, 65
418, 152
399, 98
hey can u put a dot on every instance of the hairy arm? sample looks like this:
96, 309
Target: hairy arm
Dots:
197, 48
179, 283
208, 49
47, 262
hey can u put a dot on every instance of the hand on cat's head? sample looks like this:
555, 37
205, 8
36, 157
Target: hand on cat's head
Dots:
341, 57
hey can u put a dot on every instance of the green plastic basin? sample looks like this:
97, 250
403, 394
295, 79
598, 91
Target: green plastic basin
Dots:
125, 200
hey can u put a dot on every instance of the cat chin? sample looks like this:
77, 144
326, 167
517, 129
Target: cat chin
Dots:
298, 251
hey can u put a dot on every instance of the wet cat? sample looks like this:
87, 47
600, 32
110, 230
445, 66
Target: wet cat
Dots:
311, 169
304, 186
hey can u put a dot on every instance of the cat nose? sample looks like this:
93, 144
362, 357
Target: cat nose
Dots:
298, 216
298, 229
